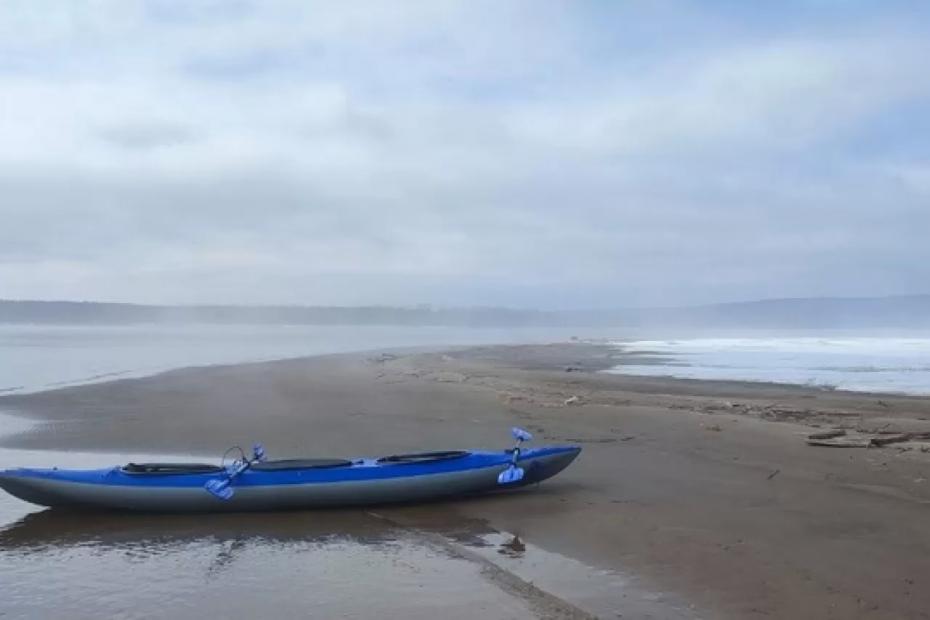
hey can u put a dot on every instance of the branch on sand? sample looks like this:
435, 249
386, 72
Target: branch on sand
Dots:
839, 439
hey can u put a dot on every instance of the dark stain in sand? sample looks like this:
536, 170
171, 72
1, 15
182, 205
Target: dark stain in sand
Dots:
587, 440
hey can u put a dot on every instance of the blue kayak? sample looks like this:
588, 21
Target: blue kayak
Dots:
258, 484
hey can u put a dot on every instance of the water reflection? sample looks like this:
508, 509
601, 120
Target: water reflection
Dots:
300, 564
59, 529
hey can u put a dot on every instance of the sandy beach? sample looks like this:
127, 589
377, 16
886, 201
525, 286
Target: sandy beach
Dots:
704, 490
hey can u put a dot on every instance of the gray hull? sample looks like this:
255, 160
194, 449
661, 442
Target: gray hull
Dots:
59, 493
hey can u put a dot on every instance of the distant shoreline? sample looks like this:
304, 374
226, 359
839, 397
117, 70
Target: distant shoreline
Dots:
896, 312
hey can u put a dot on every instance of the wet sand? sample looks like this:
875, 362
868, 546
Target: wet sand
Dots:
704, 490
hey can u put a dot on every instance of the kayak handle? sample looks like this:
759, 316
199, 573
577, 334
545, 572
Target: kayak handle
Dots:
513, 473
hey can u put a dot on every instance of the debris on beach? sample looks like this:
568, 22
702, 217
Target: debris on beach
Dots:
827, 434
450, 377
513, 547
573, 400
839, 438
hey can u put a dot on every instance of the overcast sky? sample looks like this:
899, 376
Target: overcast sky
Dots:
526, 154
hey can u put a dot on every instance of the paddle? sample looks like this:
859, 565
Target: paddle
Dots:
220, 487
513, 473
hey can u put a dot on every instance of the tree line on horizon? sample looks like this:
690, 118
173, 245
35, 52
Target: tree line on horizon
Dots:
891, 312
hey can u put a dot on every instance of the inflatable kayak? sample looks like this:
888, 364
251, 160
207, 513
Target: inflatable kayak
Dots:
259, 484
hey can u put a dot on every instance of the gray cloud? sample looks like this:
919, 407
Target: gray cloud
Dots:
522, 154
147, 135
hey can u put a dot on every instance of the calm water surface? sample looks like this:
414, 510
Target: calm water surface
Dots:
41, 357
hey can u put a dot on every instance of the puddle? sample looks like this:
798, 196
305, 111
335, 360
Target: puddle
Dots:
606, 594
572, 584
299, 565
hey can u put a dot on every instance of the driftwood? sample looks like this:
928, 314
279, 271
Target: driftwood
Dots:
827, 434
838, 439
844, 442
884, 440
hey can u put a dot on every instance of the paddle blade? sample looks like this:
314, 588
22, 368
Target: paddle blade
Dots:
219, 488
520, 435
510, 475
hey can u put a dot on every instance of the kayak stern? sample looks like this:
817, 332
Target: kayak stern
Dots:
27, 485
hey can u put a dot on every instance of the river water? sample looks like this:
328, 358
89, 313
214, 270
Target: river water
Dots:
42, 357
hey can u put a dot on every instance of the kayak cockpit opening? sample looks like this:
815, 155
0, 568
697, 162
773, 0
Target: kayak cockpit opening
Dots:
165, 469
168, 469
284, 464
423, 457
